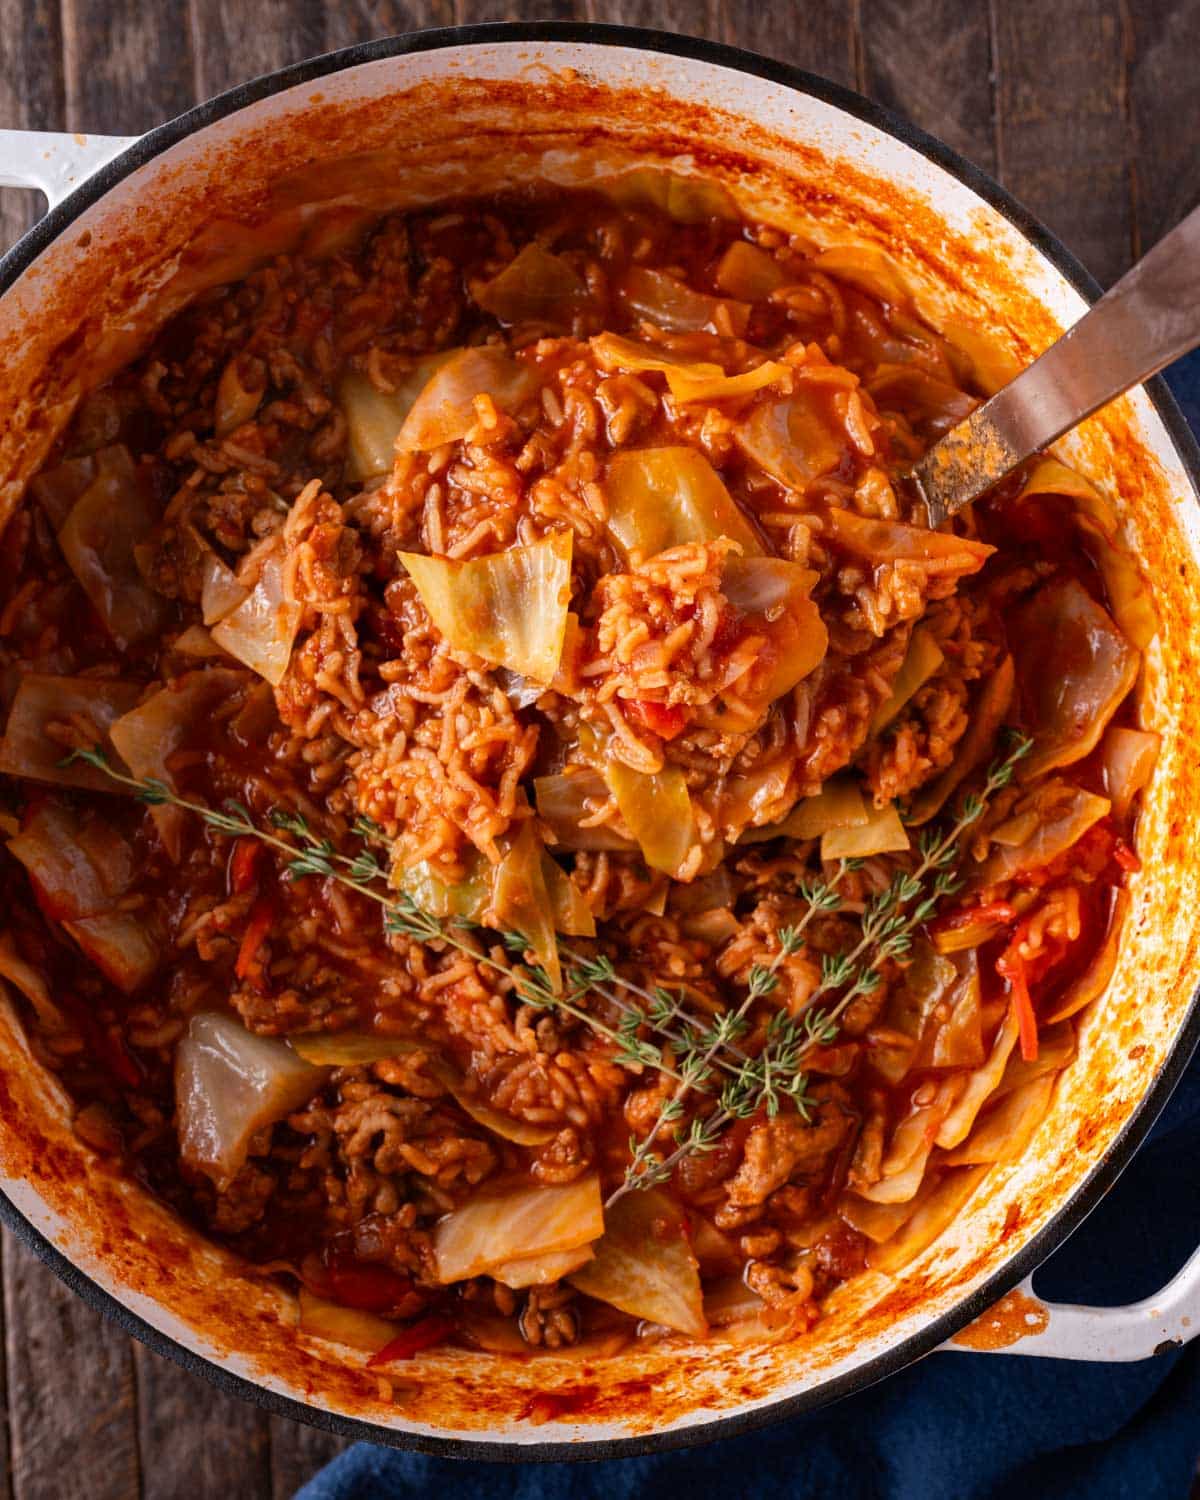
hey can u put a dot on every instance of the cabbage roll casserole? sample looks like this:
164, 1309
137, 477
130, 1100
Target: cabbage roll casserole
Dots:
512, 822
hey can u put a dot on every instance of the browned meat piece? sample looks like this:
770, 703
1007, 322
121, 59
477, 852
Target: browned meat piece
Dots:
788, 1146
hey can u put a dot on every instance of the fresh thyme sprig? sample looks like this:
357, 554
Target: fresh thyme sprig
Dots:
887, 931
688, 1051
645, 1168
402, 915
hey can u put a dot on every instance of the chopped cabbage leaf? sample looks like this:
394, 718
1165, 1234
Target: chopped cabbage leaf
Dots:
866, 267
229, 1083
893, 541
660, 498
878, 1221
197, 643
958, 1041
909, 1009
467, 898
686, 199
795, 440
57, 490
28, 750
1056, 1048
658, 812
935, 1211
572, 915
1007, 1128
670, 303
1127, 590
902, 1170
494, 1228
687, 380
374, 417
839, 804
509, 607
1092, 983
121, 946
644, 1265
565, 800
1128, 758
748, 272
349, 1049
923, 658
114, 515
882, 833
521, 902
729, 1302
169, 719
260, 632
238, 398
31, 984
753, 803
1074, 667
536, 286
445, 410
773, 596
981, 1083
690, 383
538, 1270
508, 1128
352, 1326
80, 865
1062, 819
992, 364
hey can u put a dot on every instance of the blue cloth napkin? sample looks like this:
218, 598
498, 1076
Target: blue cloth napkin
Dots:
956, 1426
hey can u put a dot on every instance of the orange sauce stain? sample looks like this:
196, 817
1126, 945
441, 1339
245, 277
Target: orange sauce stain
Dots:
1015, 1317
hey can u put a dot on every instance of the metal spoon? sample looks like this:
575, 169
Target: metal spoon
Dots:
1151, 317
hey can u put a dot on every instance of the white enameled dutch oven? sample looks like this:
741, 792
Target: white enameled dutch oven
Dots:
137, 226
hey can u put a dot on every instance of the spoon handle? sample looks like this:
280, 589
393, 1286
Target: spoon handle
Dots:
1149, 318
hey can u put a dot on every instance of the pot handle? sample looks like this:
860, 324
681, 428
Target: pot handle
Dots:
1021, 1323
55, 163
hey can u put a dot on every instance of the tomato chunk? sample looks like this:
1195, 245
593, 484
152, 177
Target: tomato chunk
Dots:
422, 1335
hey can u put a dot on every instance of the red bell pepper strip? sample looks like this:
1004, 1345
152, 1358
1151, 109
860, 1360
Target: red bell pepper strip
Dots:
1011, 966
663, 719
988, 911
421, 1335
243, 866
261, 920
369, 1288
1125, 856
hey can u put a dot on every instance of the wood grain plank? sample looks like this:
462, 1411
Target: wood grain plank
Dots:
5, 1455
31, 93
953, 100
71, 1394
1063, 136
232, 41
127, 65
194, 1441
297, 1452
819, 35
1164, 107
469, 12
689, 17
351, 21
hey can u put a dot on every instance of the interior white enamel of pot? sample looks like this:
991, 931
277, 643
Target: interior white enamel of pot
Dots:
477, 118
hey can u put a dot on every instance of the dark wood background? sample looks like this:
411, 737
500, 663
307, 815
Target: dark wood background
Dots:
1087, 109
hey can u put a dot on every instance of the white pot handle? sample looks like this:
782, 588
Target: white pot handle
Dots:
1021, 1323
55, 163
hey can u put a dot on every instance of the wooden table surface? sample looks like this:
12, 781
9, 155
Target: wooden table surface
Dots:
1086, 109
